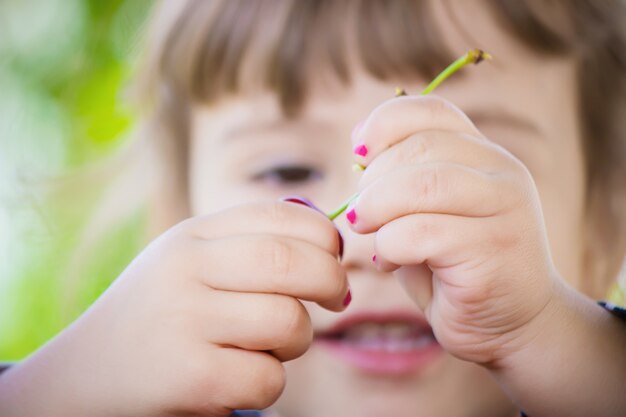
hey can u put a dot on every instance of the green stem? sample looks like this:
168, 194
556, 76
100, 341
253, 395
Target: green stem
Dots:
333, 215
474, 56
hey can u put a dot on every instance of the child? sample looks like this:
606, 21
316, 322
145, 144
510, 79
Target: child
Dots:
495, 219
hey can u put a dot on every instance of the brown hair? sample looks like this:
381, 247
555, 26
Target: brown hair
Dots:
202, 50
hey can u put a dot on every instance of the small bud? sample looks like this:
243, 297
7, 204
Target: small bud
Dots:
400, 92
358, 168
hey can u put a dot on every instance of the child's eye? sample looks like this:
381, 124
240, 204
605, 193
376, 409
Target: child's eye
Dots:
288, 175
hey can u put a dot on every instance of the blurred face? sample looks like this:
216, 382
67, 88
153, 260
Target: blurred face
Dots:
243, 149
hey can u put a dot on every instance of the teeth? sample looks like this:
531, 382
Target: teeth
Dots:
398, 330
393, 345
390, 337
364, 332
422, 341
372, 344
397, 345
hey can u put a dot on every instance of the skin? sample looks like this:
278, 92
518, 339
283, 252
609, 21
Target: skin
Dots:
517, 122
235, 140
478, 229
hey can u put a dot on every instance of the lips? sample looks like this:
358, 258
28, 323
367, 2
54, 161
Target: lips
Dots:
389, 343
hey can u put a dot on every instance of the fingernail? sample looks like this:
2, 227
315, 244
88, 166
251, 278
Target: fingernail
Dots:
340, 245
306, 202
348, 298
351, 216
360, 150
374, 258
301, 200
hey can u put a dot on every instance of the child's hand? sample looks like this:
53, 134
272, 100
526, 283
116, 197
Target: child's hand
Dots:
200, 322
443, 198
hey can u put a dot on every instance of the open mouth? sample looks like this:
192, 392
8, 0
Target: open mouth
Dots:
383, 343
388, 336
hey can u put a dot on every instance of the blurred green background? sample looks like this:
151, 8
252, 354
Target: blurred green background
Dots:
64, 65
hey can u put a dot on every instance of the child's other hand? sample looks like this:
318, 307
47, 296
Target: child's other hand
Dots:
200, 322
460, 220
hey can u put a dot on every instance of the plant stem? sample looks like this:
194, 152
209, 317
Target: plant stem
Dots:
474, 56
333, 215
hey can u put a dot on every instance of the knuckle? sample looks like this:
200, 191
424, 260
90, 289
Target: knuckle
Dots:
270, 378
436, 105
421, 231
428, 184
195, 376
331, 236
420, 147
278, 257
260, 376
337, 283
411, 151
382, 119
261, 380
291, 321
275, 213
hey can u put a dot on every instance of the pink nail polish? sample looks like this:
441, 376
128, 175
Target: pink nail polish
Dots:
297, 200
340, 252
351, 216
348, 298
301, 200
360, 150
374, 258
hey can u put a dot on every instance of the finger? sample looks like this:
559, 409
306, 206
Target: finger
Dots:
384, 265
429, 188
269, 264
436, 146
247, 379
265, 322
398, 118
270, 217
438, 240
417, 280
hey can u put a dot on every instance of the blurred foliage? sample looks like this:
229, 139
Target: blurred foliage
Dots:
63, 68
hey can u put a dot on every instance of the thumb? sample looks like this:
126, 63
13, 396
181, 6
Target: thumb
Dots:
417, 281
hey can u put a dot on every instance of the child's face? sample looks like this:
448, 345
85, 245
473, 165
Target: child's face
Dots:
243, 149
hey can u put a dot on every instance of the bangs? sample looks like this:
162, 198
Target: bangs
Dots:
217, 48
